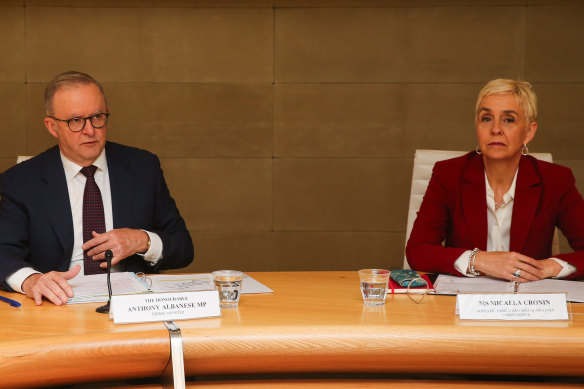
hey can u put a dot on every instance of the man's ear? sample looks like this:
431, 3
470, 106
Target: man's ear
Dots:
51, 126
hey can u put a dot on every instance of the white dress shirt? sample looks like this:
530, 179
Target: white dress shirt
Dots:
499, 230
76, 186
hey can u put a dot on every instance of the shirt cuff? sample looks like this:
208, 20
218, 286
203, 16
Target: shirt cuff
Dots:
154, 252
461, 264
567, 269
16, 279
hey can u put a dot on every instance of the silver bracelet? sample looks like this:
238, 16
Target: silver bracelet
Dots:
471, 270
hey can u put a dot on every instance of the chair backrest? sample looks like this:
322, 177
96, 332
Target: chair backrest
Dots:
424, 161
22, 158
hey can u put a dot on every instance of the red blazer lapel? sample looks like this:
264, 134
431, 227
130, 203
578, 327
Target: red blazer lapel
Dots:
525, 203
474, 201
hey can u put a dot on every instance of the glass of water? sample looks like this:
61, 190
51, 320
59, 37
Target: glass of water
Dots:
228, 284
374, 286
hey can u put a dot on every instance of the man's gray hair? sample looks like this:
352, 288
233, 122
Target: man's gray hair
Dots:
66, 80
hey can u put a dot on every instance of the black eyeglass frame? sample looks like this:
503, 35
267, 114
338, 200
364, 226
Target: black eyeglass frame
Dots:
90, 118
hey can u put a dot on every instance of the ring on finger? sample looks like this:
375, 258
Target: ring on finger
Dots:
517, 273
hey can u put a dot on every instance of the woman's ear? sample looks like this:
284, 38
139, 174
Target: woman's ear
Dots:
530, 133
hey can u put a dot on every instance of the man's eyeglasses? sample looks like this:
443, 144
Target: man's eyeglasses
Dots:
99, 120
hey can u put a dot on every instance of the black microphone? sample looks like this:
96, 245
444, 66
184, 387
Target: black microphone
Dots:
106, 308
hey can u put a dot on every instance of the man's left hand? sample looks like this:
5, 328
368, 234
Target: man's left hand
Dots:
123, 242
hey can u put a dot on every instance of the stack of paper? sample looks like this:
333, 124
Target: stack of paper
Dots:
93, 288
453, 285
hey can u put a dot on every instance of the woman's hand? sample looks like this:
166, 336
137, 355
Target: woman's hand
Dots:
549, 267
503, 264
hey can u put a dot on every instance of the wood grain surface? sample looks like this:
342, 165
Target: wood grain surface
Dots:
50, 345
314, 322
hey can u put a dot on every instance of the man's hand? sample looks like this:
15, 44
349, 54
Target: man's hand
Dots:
52, 285
503, 264
123, 242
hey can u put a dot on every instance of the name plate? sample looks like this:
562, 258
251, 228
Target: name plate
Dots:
140, 308
512, 306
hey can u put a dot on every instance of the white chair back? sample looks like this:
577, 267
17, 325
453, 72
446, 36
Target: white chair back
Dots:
424, 161
22, 158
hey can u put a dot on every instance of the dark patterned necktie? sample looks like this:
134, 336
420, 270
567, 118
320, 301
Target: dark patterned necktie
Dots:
93, 217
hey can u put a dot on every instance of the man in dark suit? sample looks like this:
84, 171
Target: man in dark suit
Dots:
43, 232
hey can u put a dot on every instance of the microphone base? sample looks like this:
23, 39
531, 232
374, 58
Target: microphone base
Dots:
103, 308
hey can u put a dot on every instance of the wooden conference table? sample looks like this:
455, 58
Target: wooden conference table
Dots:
315, 322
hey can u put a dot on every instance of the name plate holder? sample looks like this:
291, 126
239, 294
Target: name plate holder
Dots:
149, 307
512, 306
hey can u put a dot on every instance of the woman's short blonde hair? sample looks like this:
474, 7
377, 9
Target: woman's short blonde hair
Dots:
522, 91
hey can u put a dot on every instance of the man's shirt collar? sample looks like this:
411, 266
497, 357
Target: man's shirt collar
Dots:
71, 168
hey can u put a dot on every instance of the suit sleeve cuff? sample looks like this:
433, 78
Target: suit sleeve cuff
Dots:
567, 269
16, 279
154, 253
461, 264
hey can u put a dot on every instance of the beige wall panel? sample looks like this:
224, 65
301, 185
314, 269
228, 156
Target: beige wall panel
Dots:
12, 120
176, 120
152, 3
338, 250
151, 45
554, 44
12, 38
193, 120
449, 44
341, 194
439, 116
339, 120
368, 121
222, 194
246, 251
413, 3
577, 167
564, 245
399, 44
561, 120
336, 45
37, 137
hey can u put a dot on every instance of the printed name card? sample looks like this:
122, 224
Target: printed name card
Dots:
512, 306
139, 308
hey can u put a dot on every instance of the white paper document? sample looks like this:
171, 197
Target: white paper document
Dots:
93, 288
160, 283
195, 282
251, 286
453, 285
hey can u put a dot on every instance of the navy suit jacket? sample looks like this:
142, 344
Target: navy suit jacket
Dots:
36, 226
454, 212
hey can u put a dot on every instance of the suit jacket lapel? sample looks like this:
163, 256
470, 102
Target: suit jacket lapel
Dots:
55, 199
474, 201
121, 186
527, 195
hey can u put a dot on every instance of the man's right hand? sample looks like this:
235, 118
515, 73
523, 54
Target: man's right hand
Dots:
52, 285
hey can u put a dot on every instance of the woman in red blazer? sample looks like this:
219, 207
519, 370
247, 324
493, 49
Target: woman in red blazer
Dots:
493, 211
